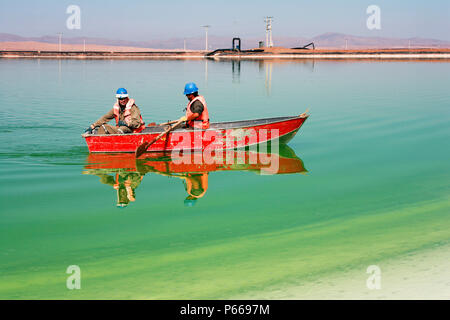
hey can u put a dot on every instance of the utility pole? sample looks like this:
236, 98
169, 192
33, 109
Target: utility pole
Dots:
60, 36
84, 45
206, 33
346, 44
184, 44
268, 21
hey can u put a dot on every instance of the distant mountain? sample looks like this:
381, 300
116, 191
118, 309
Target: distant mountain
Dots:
4, 37
326, 40
338, 40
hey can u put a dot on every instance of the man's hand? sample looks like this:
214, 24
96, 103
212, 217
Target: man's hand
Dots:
183, 118
122, 124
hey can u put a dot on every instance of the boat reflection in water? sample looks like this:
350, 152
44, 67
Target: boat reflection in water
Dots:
124, 172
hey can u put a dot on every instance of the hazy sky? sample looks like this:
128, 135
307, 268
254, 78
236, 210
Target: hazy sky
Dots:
142, 20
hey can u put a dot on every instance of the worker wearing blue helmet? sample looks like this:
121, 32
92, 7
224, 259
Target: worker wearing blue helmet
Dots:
196, 185
125, 184
126, 114
197, 115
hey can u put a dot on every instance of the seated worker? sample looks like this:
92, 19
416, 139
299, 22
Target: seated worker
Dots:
125, 112
196, 111
196, 186
125, 185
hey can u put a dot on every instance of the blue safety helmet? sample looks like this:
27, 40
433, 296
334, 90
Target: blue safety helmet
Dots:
190, 88
121, 93
188, 202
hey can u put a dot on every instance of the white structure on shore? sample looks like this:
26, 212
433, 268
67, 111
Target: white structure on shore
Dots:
268, 21
206, 36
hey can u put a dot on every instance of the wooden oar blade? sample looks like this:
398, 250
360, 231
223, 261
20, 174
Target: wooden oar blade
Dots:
144, 146
141, 149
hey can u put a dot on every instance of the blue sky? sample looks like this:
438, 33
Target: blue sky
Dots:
142, 20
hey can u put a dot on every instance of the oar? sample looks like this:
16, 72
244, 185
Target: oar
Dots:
166, 123
144, 146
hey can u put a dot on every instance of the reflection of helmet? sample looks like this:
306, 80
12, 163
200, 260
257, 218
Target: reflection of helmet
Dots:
122, 205
190, 88
121, 93
190, 201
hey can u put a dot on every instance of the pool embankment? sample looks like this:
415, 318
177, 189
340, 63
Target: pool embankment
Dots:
257, 53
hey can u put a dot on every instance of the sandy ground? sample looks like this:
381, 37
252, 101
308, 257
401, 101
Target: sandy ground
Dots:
421, 275
36, 46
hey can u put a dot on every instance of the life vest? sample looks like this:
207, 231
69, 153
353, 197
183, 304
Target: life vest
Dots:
204, 116
203, 184
127, 115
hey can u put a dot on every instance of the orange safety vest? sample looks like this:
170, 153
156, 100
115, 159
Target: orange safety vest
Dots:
203, 117
203, 184
127, 114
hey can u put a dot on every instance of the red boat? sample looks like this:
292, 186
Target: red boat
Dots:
221, 135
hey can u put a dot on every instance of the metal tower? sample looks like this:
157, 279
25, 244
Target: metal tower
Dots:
206, 34
60, 36
268, 21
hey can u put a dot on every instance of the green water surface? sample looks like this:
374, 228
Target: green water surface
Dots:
376, 149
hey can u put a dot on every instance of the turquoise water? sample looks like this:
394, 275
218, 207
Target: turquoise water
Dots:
375, 149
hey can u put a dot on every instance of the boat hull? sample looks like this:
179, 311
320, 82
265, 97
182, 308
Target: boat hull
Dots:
230, 135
